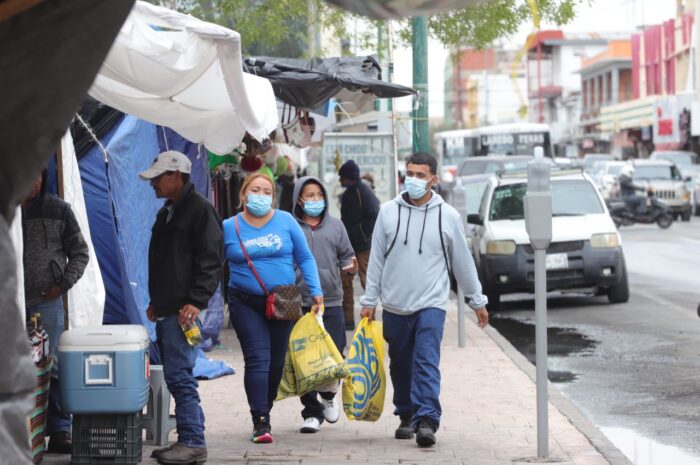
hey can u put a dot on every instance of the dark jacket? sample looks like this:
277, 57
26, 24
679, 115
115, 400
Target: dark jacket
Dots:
330, 247
185, 254
55, 252
628, 188
359, 208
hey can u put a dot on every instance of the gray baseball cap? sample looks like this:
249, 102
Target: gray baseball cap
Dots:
167, 161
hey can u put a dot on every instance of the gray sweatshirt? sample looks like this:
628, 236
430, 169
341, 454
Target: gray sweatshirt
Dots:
408, 265
330, 246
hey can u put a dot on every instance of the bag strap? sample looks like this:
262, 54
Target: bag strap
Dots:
247, 257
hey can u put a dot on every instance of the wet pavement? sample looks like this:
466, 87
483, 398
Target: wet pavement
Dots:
633, 369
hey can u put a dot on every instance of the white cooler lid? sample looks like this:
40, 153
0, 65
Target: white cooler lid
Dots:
104, 338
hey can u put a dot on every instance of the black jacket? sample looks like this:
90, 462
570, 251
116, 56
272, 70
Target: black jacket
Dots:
359, 208
185, 254
628, 188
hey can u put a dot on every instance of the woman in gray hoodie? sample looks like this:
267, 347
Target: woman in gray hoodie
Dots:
330, 246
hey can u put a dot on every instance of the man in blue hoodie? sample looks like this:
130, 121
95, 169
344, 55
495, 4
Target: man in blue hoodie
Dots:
418, 242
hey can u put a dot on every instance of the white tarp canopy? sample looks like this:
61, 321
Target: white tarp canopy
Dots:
178, 71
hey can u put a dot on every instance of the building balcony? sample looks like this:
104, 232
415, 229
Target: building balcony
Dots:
550, 91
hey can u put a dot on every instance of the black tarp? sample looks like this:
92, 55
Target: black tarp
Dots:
307, 84
98, 116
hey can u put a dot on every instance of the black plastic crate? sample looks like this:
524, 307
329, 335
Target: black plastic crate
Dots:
113, 439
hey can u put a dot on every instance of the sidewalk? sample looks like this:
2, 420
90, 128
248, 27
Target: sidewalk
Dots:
488, 406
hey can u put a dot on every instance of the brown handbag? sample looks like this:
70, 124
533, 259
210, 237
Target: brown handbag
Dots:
283, 302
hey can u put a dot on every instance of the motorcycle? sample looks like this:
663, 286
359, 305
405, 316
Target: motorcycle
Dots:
657, 212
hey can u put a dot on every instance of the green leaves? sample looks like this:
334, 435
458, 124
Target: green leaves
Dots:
281, 27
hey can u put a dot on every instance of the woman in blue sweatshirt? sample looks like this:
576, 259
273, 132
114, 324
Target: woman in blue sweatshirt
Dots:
275, 243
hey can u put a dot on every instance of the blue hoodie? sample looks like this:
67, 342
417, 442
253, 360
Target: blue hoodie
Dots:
408, 264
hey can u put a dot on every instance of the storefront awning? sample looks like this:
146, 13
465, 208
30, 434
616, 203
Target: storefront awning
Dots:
628, 115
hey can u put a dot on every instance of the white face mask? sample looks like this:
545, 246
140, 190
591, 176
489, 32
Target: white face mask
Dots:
416, 188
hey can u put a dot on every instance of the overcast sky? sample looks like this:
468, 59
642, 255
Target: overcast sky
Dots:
600, 16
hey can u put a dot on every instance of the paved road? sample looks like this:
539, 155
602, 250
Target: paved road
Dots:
633, 369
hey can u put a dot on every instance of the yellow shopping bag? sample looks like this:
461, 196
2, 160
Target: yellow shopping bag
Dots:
365, 387
312, 359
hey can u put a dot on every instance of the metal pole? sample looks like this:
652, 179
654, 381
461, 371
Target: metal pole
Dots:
541, 351
394, 137
421, 135
460, 317
540, 119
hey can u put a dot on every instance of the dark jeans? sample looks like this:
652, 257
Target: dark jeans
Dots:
178, 358
52, 320
334, 322
264, 344
637, 203
414, 352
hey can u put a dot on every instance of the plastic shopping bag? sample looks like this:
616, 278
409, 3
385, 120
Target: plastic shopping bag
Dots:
313, 361
365, 387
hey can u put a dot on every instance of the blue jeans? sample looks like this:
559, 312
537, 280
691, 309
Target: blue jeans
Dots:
334, 322
178, 358
52, 320
264, 344
414, 352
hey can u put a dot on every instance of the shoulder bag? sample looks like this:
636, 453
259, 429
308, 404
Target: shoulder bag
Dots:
283, 302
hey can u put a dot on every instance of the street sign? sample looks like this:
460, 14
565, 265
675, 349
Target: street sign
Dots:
373, 152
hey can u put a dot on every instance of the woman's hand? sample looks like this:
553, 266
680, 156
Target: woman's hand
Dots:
318, 304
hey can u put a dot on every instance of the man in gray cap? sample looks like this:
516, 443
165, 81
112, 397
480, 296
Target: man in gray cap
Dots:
184, 260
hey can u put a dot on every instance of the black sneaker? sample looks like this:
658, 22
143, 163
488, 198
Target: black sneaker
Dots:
262, 431
425, 435
60, 443
405, 430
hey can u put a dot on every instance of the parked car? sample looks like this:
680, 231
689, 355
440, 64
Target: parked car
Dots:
668, 184
565, 162
466, 197
689, 165
590, 159
585, 254
606, 176
487, 165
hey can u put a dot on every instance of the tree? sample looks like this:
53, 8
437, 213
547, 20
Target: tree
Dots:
265, 25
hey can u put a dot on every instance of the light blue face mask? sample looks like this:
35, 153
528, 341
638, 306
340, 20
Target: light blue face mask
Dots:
259, 205
416, 187
314, 208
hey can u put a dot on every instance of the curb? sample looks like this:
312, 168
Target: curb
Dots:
597, 439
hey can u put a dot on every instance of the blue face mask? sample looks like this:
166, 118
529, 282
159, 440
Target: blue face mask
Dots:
416, 187
314, 208
259, 205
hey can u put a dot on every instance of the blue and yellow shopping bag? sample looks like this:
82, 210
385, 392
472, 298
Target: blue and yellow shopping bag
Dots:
313, 361
365, 387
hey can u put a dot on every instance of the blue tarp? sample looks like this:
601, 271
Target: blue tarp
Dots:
121, 211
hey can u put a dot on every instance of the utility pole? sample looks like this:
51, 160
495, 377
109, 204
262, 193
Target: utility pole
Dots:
421, 135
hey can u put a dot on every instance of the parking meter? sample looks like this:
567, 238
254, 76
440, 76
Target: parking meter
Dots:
538, 223
538, 202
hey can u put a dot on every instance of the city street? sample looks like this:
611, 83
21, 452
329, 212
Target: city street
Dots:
633, 369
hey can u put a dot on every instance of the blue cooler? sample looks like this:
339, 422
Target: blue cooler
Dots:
104, 369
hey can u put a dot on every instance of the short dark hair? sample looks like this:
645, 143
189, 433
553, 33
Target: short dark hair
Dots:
423, 158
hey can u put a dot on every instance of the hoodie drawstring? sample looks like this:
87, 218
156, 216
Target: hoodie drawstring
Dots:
398, 226
420, 244
405, 241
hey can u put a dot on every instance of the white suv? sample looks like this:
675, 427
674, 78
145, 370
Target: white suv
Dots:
585, 254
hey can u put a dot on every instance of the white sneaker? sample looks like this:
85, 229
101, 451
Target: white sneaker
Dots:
311, 425
331, 409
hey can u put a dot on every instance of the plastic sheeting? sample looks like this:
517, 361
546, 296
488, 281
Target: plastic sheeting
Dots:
18, 243
121, 210
387, 9
186, 74
86, 299
309, 84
